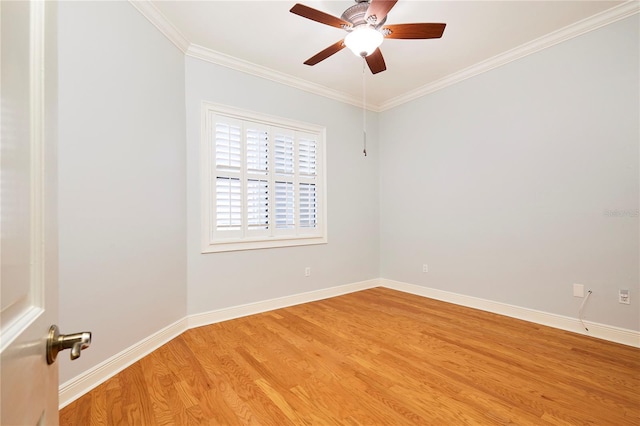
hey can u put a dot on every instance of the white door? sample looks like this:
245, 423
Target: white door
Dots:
29, 386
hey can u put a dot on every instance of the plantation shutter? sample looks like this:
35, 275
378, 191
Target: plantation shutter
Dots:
263, 181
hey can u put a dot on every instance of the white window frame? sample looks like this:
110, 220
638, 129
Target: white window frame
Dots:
215, 240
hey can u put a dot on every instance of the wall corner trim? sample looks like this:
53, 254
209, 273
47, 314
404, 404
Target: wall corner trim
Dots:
162, 23
597, 330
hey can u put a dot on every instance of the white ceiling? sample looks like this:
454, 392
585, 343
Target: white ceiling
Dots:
263, 37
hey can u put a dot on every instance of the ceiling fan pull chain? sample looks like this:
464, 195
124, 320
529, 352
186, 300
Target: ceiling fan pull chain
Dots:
364, 106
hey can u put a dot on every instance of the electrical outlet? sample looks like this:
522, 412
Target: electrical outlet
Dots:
623, 296
307, 271
425, 268
578, 290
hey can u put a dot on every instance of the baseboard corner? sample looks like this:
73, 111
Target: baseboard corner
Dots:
83, 383
225, 314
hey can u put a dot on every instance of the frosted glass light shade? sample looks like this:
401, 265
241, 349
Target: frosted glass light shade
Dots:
363, 41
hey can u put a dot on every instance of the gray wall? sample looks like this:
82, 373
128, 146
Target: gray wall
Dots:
504, 184
122, 186
500, 183
220, 280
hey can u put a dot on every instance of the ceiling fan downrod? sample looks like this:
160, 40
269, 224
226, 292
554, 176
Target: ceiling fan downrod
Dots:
357, 15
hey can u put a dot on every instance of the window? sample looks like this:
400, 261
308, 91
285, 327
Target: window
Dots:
263, 181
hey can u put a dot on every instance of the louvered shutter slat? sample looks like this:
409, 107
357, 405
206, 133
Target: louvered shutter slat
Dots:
228, 203
257, 151
284, 205
258, 204
307, 157
283, 154
227, 147
308, 206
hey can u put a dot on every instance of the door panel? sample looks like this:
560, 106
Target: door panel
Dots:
28, 306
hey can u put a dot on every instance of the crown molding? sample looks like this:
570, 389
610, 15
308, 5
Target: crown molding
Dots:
594, 22
218, 58
171, 32
157, 18
149, 11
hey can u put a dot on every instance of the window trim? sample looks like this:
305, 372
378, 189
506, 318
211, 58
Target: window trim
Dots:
207, 175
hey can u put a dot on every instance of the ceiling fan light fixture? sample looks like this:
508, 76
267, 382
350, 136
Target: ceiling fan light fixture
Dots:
363, 40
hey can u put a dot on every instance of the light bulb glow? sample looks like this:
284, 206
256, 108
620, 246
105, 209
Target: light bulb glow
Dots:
363, 40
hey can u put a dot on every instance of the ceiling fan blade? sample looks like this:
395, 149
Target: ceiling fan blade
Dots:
318, 16
379, 8
376, 62
321, 56
414, 31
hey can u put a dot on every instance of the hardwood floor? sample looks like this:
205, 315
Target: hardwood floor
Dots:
376, 357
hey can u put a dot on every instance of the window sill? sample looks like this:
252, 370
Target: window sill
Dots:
236, 245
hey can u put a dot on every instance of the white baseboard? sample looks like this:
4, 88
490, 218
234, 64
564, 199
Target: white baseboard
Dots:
600, 331
83, 383
79, 385
225, 314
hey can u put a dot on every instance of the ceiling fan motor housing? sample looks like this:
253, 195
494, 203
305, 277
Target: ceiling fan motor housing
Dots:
356, 13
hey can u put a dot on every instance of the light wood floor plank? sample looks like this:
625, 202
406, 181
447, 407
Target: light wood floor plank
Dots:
376, 357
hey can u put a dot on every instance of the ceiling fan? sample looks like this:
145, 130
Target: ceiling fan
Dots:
365, 24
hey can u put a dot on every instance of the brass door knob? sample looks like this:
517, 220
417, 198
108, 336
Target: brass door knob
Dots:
58, 342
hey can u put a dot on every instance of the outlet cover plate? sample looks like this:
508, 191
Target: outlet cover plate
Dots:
623, 296
578, 290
